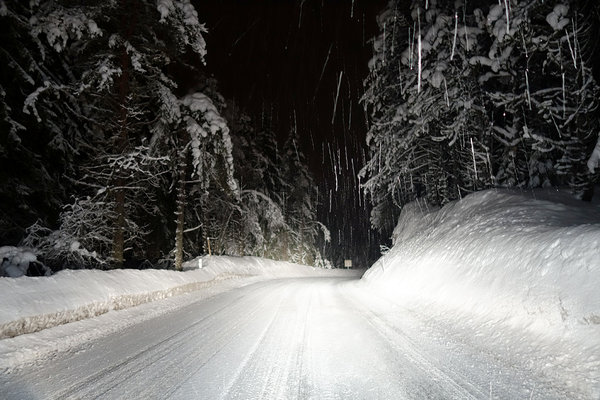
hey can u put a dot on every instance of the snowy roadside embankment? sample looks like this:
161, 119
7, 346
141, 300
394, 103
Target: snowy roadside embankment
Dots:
516, 268
30, 304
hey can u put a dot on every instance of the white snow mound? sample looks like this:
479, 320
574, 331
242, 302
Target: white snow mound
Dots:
526, 260
516, 273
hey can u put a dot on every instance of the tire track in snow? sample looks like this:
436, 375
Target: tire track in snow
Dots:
312, 383
453, 387
239, 333
273, 364
110, 378
302, 367
202, 353
337, 360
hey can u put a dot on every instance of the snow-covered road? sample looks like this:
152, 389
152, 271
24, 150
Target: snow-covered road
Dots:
301, 338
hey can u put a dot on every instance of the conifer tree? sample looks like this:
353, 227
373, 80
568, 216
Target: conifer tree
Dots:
40, 129
120, 52
468, 95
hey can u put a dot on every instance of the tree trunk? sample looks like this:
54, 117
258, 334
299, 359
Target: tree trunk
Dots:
180, 213
119, 229
121, 147
122, 143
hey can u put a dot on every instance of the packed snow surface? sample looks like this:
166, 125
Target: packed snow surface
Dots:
521, 269
319, 337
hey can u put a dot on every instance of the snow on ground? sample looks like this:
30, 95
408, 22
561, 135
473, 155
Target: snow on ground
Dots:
298, 338
30, 304
520, 271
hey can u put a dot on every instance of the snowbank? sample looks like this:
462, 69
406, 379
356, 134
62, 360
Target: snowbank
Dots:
504, 263
30, 304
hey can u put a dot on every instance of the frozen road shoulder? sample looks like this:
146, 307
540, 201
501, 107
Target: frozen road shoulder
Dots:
298, 338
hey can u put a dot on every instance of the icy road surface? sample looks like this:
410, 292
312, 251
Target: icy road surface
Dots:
303, 338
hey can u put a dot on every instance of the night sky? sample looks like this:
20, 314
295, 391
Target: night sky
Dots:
280, 61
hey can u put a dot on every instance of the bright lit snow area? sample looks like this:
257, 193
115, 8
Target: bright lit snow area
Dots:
493, 295
517, 270
315, 199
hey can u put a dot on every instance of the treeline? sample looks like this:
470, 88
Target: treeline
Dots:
107, 160
468, 95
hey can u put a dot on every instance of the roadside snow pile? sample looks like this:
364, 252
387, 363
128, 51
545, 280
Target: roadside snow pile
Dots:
506, 264
526, 260
30, 304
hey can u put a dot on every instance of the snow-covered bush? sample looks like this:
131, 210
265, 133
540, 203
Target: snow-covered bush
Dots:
321, 262
61, 249
84, 236
17, 261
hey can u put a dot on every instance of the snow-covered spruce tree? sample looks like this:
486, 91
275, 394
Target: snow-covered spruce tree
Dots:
300, 200
540, 93
256, 219
205, 137
261, 221
384, 94
40, 126
120, 75
249, 236
269, 163
479, 96
426, 137
442, 114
